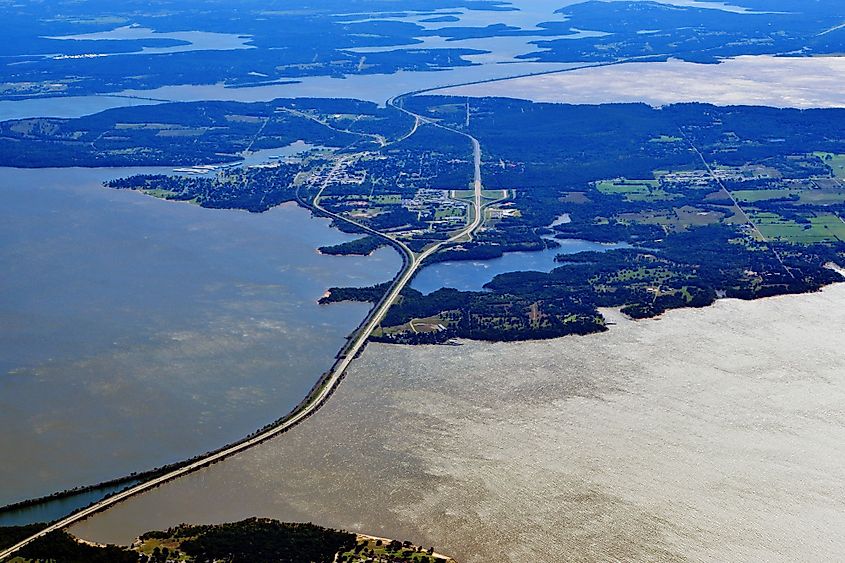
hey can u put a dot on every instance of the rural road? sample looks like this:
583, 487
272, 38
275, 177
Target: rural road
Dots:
324, 389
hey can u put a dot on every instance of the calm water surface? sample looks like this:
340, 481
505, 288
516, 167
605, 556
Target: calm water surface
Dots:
471, 275
135, 332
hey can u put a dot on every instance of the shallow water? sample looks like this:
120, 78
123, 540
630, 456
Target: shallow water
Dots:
136, 332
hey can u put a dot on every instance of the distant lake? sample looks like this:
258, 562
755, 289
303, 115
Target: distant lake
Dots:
136, 332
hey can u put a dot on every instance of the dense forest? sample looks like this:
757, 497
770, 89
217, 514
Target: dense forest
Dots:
363, 246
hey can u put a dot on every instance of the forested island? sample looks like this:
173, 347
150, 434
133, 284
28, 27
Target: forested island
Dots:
363, 246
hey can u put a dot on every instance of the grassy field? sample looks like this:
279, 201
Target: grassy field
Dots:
821, 227
750, 196
446, 212
835, 161
674, 220
822, 197
807, 196
163, 194
428, 324
634, 190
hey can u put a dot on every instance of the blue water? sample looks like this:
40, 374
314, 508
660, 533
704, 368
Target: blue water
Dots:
471, 275
135, 332
56, 508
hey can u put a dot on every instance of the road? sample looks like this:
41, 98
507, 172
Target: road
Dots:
329, 382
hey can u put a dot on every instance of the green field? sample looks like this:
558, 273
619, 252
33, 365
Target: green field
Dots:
750, 196
674, 220
822, 197
821, 227
807, 196
835, 161
163, 194
634, 190
449, 212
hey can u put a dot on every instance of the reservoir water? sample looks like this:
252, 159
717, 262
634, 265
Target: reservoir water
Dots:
471, 275
135, 332
660, 440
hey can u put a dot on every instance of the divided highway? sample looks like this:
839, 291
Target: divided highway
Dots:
327, 385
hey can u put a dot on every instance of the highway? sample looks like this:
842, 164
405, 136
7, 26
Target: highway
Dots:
332, 378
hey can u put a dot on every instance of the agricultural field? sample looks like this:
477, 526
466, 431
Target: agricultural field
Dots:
835, 161
753, 196
813, 229
635, 190
675, 219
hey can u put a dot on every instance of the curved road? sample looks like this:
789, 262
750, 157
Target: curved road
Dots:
326, 387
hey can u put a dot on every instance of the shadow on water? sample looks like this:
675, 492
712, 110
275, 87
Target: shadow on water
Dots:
54, 508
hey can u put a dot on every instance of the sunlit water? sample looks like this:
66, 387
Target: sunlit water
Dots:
711, 434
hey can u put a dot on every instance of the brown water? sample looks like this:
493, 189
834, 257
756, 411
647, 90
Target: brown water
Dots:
707, 435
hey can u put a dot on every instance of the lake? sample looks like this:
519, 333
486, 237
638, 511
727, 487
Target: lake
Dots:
471, 275
136, 332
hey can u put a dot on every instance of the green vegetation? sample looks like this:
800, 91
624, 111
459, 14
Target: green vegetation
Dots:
248, 541
61, 547
369, 549
359, 247
255, 540
836, 162
692, 243
635, 190
387, 199
10, 535
808, 229
753, 196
